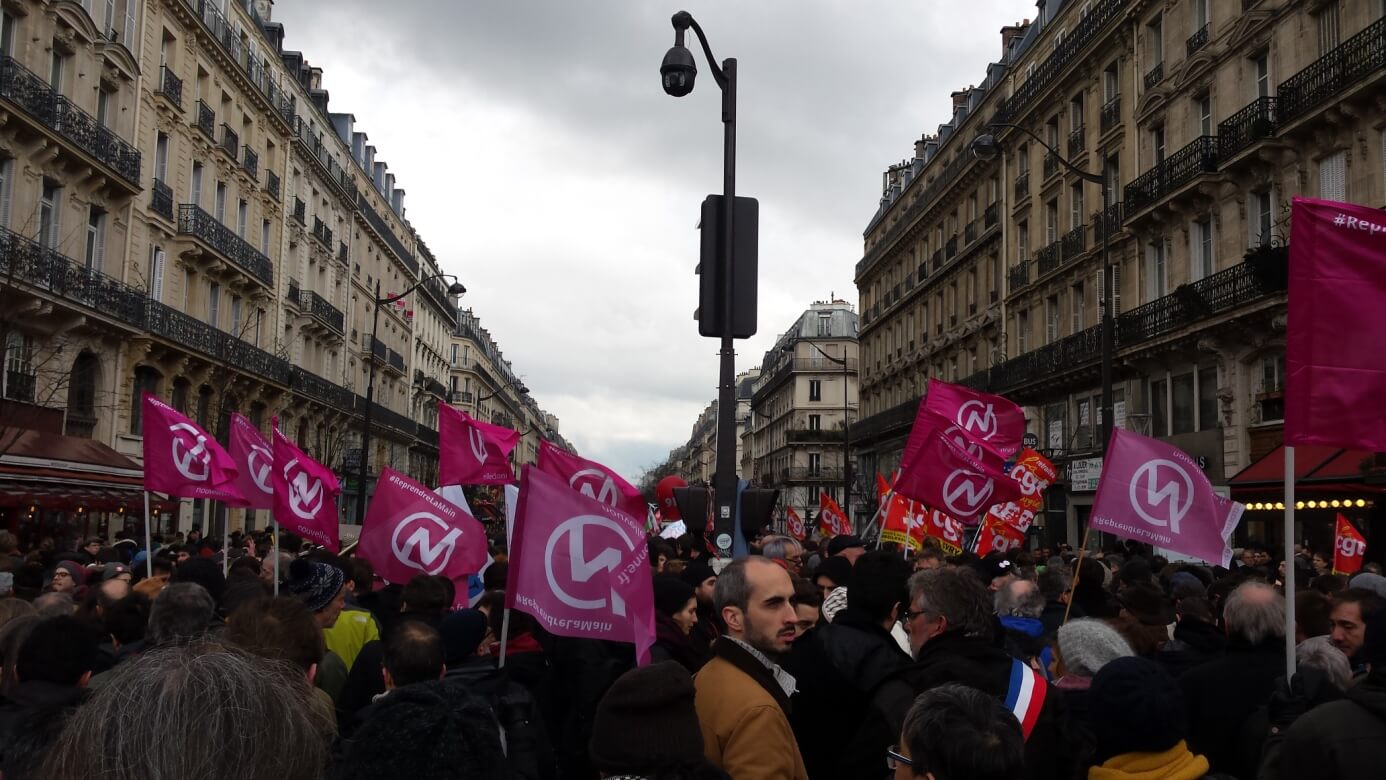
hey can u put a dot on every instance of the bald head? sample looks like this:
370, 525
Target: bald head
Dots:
1019, 598
1255, 612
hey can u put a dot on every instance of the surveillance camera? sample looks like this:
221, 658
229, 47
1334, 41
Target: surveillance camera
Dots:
678, 71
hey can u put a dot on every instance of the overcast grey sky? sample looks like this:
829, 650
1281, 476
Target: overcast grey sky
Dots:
547, 168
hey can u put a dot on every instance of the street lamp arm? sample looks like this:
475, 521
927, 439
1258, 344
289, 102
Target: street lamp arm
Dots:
684, 20
1075, 170
841, 361
417, 285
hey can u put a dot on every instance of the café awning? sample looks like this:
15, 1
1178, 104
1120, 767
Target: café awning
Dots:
1317, 469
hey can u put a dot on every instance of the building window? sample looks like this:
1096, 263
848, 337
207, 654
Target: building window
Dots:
825, 322
146, 380
815, 389
103, 107
1159, 407
1157, 275
1155, 38
265, 237
1157, 143
1182, 404
815, 422
242, 213
1078, 303
1022, 241
21, 378
1075, 205
7, 28
1111, 84
161, 157
815, 464
1330, 29
1051, 221
1203, 107
1022, 332
1200, 9
1333, 177
96, 238
1260, 73
221, 202
1201, 248
1208, 398
49, 214
56, 65
179, 400
1262, 217
236, 315
1051, 319
6, 188
196, 194
213, 303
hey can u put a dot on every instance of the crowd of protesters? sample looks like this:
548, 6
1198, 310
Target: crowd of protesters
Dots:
822, 660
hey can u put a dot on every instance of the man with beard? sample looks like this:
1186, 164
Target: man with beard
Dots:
742, 695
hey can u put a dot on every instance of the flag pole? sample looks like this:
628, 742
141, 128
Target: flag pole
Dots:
505, 634
1078, 566
274, 550
148, 543
226, 542
1289, 562
880, 505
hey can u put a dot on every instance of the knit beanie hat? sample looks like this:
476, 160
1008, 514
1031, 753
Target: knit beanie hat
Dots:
646, 722
1086, 645
671, 595
462, 633
1136, 708
696, 573
1372, 582
78, 572
316, 584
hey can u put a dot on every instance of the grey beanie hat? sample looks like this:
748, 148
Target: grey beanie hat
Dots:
1087, 645
1373, 582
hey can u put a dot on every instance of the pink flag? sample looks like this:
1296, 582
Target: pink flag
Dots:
926, 421
1152, 492
580, 566
305, 494
989, 420
593, 480
180, 459
471, 452
1335, 378
945, 476
254, 462
411, 530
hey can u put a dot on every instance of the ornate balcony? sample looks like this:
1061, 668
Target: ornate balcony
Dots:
991, 214
79, 129
195, 222
1111, 114
970, 232
1088, 30
1333, 73
1049, 258
1154, 76
161, 199
228, 36
322, 233
300, 211
1260, 276
1180, 168
320, 309
251, 162
322, 155
1074, 242
1077, 143
170, 86
1051, 164
1111, 221
950, 247
1019, 276
272, 184
1197, 41
1022, 186
342, 252
315, 387
205, 120
1251, 124
230, 141
24, 261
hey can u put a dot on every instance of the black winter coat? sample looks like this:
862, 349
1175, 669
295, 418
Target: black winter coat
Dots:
979, 663
841, 729
1263, 734
1223, 693
1344, 739
527, 748
1195, 642
31, 718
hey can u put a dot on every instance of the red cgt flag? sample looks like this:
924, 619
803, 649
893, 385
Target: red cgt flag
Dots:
794, 523
1349, 548
832, 521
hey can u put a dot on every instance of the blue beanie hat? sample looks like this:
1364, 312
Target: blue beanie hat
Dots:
315, 584
1136, 708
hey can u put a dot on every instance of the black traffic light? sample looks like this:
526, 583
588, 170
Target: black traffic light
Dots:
711, 265
695, 507
756, 510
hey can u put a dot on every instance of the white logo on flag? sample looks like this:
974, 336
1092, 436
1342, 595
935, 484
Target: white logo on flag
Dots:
965, 442
432, 557
606, 490
581, 568
967, 493
258, 463
478, 444
193, 461
1351, 547
305, 493
978, 418
1175, 492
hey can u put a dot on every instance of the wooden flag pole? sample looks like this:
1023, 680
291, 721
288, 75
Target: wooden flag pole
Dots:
1077, 566
1289, 562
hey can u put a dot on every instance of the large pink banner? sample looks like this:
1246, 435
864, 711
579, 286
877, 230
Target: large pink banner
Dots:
945, 476
472, 452
180, 459
989, 420
592, 479
254, 464
1335, 376
1152, 492
305, 494
580, 566
411, 530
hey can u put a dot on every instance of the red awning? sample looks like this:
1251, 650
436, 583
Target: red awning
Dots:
1346, 465
1317, 469
65, 473
1270, 469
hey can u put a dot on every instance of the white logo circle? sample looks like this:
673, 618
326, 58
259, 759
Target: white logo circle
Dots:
1177, 493
258, 463
478, 444
724, 541
582, 569
975, 488
978, 418
432, 557
605, 487
193, 460
305, 493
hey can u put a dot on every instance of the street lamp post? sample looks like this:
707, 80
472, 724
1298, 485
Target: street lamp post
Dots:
515, 383
677, 73
455, 288
846, 431
985, 147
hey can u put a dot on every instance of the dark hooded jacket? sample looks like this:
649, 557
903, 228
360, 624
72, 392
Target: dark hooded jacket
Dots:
1223, 693
32, 716
1344, 739
1195, 642
527, 747
1263, 734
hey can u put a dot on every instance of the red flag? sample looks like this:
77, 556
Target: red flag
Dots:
882, 487
989, 420
906, 522
305, 494
945, 530
794, 523
593, 480
832, 521
1033, 473
471, 452
580, 567
996, 536
1334, 375
255, 461
1349, 548
943, 475
180, 459
411, 530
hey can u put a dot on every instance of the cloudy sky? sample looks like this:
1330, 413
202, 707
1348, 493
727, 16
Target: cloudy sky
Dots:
547, 168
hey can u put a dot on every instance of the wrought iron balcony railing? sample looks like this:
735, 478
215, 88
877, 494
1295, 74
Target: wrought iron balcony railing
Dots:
205, 120
1197, 41
1155, 75
23, 260
161, 199
970, 232
230, 141
251, 162
1251, 124
950, 247
1110, 221
1180, 168
48, 107
300, 211
1051, 164
272, 184
1334, 72
228, 36
322, 233
193, 221
1074, 242
295, 292
1019, 276
1049, 258
1111, 114
1088, 30
1227, 289
395, 360
1022, 186
1077, 141
170, 86
307, 383
991, 214
321, 309
341, 251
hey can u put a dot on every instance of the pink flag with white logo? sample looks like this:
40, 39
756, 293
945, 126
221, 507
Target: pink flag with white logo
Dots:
1335, 378
989, 420
180, 459
411, 530
592, 479
254, 462
579, 566
926, 422
471, 452
305, 494
945, 476
1152, 492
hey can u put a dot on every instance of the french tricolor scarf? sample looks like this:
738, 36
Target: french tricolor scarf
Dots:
1025, 696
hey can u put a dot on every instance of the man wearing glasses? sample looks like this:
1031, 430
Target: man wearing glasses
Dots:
954, 731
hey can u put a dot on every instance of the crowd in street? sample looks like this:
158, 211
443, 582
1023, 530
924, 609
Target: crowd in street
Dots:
818, 659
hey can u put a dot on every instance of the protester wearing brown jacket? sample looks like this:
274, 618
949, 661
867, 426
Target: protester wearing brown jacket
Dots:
742, 694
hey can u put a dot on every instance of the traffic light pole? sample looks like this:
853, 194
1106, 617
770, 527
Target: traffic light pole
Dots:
724, 480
